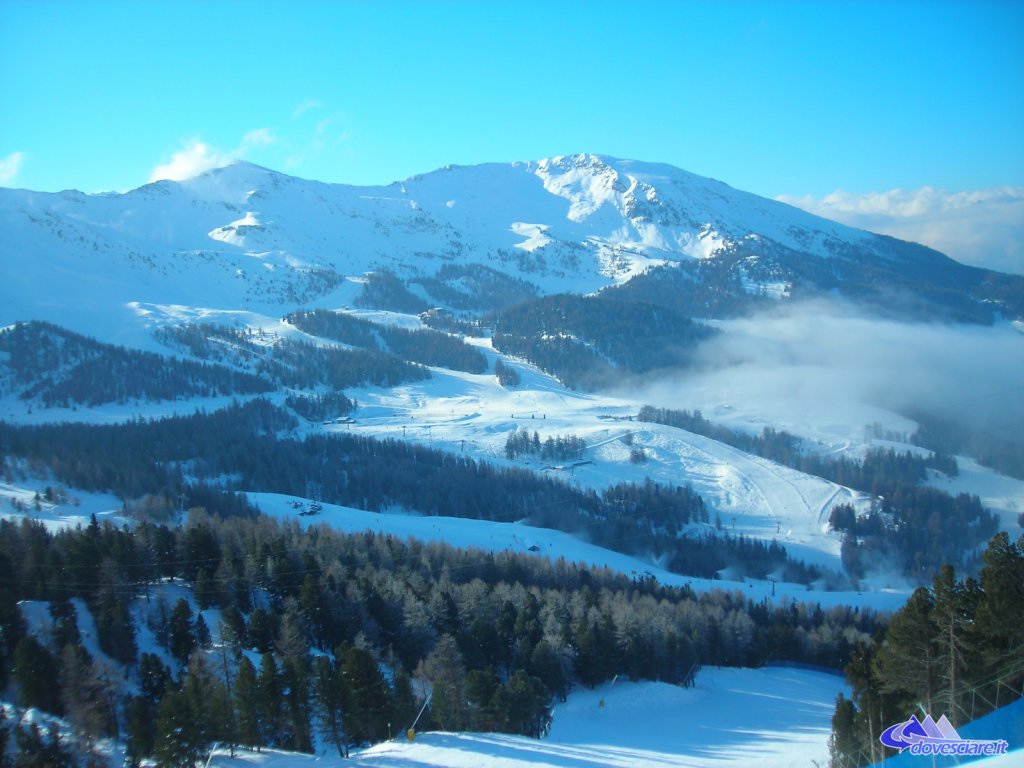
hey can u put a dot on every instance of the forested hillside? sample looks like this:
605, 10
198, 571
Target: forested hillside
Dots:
248, 447
326, 636
59, 368
587, 341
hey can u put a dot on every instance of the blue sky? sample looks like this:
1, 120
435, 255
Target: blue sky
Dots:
792, 97
779, 98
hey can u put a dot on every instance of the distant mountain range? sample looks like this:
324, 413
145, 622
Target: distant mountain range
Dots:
468, 239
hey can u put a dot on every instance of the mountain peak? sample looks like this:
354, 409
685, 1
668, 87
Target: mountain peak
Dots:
232, 183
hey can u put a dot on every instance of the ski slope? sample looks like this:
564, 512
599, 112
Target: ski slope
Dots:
762, 718
471, 413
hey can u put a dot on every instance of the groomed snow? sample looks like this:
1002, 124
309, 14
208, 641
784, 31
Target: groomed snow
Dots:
762, 718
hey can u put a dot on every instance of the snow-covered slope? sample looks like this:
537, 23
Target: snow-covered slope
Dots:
245, 237
731, 717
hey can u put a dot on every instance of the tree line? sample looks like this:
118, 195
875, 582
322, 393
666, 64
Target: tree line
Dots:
554, 448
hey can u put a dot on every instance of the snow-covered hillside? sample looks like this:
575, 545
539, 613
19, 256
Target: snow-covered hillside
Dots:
245, 237
751, 717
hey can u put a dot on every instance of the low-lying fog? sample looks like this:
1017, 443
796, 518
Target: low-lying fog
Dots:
826, 370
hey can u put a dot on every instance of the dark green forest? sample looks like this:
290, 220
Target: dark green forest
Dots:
327, 633
588, 341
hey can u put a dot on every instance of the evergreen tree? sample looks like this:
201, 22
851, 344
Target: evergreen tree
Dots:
483, 711
842, 743
181, 631
35, 672
999, 620
270, 701
208, 702
202, 632
369, 704
246, 694
260, 632
546, 665
404, 707
178, 742
140, 730
447, 673
153, 677
332, 696
951, 615
34, 750
525, 707
909, 662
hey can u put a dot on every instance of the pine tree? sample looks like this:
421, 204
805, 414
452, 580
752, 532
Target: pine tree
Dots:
181, 631
999, 620
908, 662
140, 730
34, 750
190, 719
368, 701
178, 742
546, 665
843, 746
332, 696
35, 672
447, 673
403, 707
526, 705
293, 642
153, 677
270, 701
952, 612
246, 694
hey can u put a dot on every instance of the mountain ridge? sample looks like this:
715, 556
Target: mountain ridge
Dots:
248, 237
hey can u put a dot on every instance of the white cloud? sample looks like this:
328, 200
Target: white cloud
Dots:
982, 227
259, 137
197, 156
304, 107
9, 167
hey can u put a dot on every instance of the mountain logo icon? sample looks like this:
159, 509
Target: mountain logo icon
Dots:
931, 737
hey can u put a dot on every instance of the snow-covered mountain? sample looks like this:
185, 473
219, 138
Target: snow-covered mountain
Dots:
245, 237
